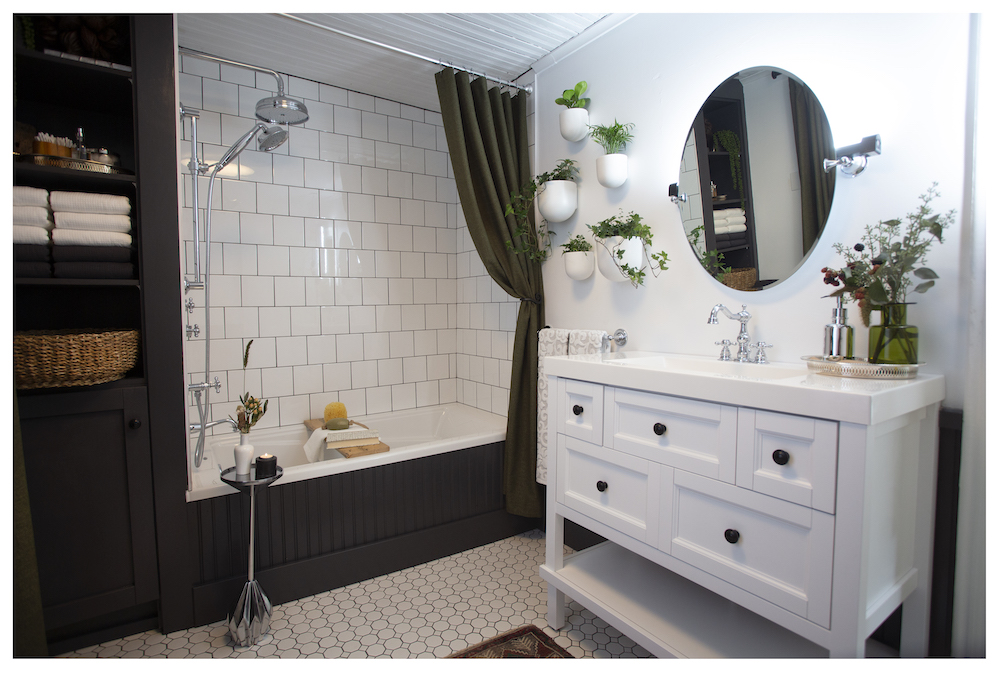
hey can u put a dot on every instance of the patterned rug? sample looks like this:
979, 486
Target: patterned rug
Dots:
527, 642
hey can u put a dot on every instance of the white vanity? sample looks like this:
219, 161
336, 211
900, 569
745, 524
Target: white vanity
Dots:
750, 510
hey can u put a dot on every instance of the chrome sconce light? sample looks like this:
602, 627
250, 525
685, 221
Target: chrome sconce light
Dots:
854, 158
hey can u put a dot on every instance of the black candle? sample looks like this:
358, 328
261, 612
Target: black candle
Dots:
267, 466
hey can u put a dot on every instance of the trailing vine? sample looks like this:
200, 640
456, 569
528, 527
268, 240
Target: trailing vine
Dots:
535, 243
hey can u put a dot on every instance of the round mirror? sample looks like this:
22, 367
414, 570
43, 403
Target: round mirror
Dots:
752, 170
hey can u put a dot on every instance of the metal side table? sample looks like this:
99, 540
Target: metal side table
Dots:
251, 617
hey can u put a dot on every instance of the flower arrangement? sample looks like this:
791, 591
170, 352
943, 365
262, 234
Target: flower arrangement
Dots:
629, 226
880, 269
520, 206
250, 410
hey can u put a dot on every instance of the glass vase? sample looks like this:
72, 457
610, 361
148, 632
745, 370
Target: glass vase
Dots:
893, 342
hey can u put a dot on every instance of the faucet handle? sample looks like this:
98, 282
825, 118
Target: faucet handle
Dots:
724, 355
761, 357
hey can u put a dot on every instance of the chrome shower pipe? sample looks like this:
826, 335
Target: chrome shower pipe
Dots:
196, 168
218, 59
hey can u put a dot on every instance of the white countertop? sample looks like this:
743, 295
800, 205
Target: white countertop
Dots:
783, 387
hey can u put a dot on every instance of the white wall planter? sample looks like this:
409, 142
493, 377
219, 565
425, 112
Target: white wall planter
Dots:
557, 200
579, 264
612, 170
608, 263
574, 123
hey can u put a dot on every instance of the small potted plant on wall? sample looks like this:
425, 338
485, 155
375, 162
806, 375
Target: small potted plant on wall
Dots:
612, 168
578, 258
625, 239
574, 120
556, 191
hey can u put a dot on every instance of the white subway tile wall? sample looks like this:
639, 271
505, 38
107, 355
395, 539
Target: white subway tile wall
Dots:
343, 254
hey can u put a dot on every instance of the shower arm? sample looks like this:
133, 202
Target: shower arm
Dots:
218, 59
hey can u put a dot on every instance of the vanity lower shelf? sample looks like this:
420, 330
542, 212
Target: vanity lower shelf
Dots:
671, 616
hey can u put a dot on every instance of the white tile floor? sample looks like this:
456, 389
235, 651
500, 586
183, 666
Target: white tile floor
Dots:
428, 611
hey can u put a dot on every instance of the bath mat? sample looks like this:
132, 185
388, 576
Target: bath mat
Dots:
526, 642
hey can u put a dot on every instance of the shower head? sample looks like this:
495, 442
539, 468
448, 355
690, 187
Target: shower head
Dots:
272, 138
282, 110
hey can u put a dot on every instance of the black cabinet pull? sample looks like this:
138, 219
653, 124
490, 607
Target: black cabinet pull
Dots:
781, 457
732, 536
659, 428
602, 486
577, 410
135, 423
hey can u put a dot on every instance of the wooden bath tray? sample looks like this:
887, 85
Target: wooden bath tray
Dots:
355, 451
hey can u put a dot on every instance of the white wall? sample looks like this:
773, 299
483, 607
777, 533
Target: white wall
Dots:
343, 254
901, 76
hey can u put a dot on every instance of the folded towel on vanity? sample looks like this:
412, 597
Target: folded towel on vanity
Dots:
31, 253
90, 253
32, 269
93, 222
93, 270
84, 202
83, 237
32, 216
30, 234
30, 196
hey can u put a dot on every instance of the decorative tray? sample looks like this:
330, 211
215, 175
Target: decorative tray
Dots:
857, 368
68, 162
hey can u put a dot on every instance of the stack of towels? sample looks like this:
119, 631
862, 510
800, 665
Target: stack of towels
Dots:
32, 224
730, 228
92, 235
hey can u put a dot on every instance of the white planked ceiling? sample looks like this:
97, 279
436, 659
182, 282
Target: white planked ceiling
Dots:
500, 45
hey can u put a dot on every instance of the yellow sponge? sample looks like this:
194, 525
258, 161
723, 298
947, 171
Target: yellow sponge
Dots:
334, 410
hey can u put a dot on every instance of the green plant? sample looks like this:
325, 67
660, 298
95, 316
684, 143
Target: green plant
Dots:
730, 142
532, 242
250, 410
571, 97
711, 260
576, 244
612, 138
879, 268
629, 226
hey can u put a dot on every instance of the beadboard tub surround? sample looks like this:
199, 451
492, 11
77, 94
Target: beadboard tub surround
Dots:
411, 434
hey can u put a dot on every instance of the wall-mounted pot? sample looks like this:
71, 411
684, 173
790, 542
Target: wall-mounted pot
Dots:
557, 200
574, 123
612, 170
579, 264
610, 265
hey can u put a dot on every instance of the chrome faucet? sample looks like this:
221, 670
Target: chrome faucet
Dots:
742, 341
195, 427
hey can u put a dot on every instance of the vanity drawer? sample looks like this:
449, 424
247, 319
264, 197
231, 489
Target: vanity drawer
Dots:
692, 435
613, 488
790, 457
774, 549
580, 412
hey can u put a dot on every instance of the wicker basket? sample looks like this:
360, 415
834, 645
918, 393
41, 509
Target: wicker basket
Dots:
73, 357
740, 279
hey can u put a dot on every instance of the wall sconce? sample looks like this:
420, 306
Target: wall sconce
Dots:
854, 158
675, 194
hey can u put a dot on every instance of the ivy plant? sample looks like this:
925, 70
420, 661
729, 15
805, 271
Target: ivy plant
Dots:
535, 243
629, 226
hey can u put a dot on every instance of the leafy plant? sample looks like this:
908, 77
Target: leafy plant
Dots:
629, 226
879, 269
576, 244
250, 410
612, 138
530, 241
571, 97
730, 142
711, 260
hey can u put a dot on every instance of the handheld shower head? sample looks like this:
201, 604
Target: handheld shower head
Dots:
282, 110
272, 138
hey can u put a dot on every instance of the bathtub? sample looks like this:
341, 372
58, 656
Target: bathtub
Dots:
414, 433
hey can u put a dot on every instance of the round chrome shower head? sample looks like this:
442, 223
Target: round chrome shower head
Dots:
272, 138
282, 110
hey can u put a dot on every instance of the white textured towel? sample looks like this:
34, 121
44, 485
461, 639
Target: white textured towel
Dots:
730, 228
30, 235
726, 213
32, 216
94, 222
84, 202
586, 341
84, 237
31, 196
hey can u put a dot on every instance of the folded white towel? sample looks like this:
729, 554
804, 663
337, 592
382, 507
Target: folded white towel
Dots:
730, 228
736, 219
32, 216
83, 202
30, 235
31, 196
550, 342
315, 444
726, 213
94, 222
84, 237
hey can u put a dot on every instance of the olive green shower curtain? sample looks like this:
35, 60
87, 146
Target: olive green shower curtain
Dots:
813, 143
487, 135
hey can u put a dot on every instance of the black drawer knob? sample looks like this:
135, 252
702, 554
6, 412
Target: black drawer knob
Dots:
577, 410
781, 457
135, 423
659, 428
732, 536
602, 486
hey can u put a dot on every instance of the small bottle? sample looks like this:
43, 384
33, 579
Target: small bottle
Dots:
839, 336
80, 150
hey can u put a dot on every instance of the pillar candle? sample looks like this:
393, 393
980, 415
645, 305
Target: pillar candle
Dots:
267, 466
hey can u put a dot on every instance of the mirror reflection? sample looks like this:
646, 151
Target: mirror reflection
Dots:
752, 169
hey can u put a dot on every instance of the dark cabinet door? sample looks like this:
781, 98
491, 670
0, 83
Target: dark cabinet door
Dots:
87, 458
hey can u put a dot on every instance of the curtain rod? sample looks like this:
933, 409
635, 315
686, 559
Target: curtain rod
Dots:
526, 89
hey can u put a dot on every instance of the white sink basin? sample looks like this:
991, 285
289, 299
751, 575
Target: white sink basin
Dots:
714, 367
